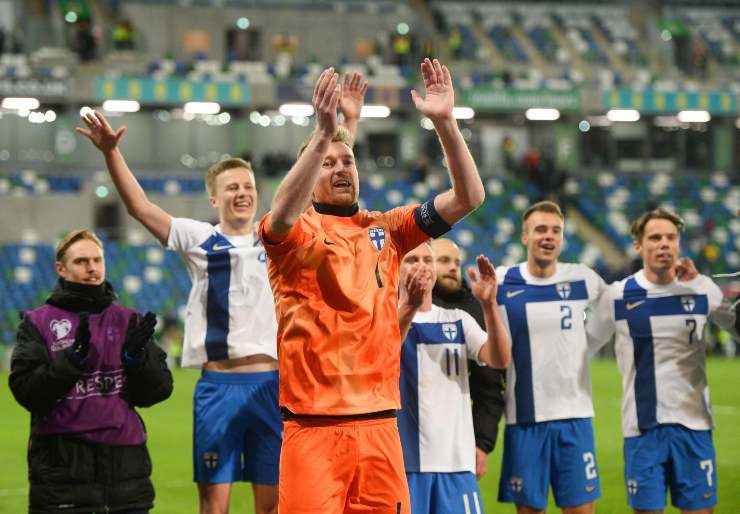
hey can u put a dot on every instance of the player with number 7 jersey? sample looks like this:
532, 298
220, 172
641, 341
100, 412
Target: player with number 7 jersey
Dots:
658, 324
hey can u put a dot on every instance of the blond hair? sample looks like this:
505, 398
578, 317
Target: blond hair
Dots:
72, 238
543, 206
221, 166
342, 135
638, 227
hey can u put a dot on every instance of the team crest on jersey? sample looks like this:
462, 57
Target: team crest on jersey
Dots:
563, 290
688, 303
516, 484
60, 327
210, 459
450, 331
632, 487
377, 237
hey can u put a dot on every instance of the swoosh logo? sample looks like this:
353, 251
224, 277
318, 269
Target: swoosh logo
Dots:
327, 242
632, 305
512, 294
218, 247
590, 488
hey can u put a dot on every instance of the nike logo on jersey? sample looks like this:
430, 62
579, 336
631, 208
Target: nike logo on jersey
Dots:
708, 495
512, 294
590, 488
633, 305
327, 242
218, 247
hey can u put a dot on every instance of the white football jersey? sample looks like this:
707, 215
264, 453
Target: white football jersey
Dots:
660, 348
549, 375
230, 310
436, 420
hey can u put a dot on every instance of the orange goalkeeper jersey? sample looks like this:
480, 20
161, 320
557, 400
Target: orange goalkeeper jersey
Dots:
335, 281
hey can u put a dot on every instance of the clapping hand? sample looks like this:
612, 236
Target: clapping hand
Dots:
353, 95
138, 333
417, 284
483, 284
81, 347
326, 96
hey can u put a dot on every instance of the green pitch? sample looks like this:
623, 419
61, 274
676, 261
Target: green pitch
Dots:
170, 425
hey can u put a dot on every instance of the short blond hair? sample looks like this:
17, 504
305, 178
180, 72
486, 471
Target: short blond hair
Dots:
221, 166
72, 238
638, 227
342, 135
543, 206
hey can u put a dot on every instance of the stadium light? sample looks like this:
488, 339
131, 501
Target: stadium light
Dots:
623, 115
375, 111
537, 114
694, 117
20, 103
121, 106
202, 108
666, 122
296, 110
463, 113
599, 121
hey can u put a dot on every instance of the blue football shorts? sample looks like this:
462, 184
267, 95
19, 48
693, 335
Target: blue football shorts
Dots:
237, 428
556, 453
444, 493
670, 457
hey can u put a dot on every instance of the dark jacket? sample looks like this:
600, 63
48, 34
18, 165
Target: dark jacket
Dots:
90, 462
486, 384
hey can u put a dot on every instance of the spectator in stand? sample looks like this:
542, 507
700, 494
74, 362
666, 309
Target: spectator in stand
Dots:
85, 44
124, 35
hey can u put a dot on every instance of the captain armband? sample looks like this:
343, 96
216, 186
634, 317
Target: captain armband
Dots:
429, 220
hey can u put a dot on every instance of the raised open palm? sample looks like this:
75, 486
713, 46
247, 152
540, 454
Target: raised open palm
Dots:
483, 284
439, 99
326, 95
353, 95
99, 131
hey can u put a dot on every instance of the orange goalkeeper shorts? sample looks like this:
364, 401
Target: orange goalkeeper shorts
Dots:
338, 466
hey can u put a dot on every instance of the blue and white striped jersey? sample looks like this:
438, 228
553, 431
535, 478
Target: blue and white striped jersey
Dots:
661, 348
436, 420
230, 310
549, 376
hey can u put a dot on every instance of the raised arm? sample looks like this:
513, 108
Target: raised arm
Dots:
497, 350
467, 193
352, 100
105, 139
294, 192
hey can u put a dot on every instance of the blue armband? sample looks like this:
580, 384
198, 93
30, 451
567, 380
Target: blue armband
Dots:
429, 221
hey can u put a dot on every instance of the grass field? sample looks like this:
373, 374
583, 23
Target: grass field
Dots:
169, 425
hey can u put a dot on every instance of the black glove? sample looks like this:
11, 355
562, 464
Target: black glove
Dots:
137, 335
81, 347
